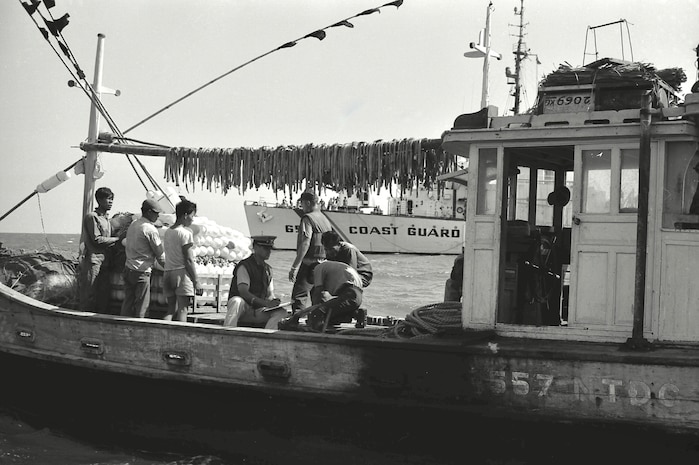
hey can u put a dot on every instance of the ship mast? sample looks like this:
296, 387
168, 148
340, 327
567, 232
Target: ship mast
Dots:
483, 50
520, 54
90, 160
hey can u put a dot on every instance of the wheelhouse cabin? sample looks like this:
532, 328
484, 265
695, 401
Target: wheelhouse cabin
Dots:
553, 212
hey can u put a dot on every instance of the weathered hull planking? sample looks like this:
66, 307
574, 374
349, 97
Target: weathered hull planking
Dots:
472, 372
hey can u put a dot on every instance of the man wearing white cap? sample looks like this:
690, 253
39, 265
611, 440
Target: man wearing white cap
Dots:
251, 296
143, 248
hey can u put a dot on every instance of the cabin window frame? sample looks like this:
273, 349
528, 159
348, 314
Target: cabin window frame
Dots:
616, 150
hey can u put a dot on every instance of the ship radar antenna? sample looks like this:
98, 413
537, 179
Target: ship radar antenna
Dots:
520, 52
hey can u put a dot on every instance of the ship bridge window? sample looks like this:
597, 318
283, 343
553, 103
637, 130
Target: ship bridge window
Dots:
681, 190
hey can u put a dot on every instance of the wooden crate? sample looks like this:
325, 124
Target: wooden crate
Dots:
215, 287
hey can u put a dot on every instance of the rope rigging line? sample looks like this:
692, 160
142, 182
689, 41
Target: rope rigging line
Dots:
79, 76
21, 202
318, 34
43, 228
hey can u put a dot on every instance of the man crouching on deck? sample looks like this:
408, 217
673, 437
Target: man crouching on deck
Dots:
252, 289
337, 290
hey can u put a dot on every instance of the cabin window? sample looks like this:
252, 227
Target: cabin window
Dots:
487, 181
518, 194
544, 186
680, 193
568, 209
628, 200
597, 180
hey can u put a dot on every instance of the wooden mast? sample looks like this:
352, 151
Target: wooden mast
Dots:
90, 159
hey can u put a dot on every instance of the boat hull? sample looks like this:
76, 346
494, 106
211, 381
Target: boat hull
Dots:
472, 372
369, 233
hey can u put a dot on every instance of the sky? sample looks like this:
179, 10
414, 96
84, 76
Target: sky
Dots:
397, 74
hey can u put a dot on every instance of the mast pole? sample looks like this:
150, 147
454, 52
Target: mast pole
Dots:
518, 59
90, 159
486, 58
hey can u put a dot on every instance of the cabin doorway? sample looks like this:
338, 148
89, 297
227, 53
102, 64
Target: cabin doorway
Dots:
535, 272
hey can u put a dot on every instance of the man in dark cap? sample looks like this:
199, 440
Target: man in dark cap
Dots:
251, 297
309, 250
143, 248
338, 250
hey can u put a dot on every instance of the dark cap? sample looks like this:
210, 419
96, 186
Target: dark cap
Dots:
309, 196
264, 241
151, 205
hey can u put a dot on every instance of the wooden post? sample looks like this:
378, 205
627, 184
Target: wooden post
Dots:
637, 341
93, 130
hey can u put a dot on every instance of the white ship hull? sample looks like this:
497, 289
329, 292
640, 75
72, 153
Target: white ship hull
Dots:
369, 232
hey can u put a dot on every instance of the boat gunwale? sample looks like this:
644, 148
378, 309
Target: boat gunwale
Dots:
469, 343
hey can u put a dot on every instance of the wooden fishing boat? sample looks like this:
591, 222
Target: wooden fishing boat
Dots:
578, 297
507, 355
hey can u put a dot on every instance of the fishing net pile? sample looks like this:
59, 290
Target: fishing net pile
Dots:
615, 75
609, 71
45, 276
352, 166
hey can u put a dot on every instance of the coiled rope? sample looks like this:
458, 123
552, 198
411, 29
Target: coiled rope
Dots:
423, 322
429, 320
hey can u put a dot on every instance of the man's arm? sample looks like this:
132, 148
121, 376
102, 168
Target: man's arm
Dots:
189, 264
302, 245
244, 291
93, 230
158, 252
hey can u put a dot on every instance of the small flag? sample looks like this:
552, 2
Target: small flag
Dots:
343, 23
57, 26
320, 34
370, 11
31, 8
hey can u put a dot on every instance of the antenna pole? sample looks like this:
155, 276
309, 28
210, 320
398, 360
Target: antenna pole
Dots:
93, 130
518, 59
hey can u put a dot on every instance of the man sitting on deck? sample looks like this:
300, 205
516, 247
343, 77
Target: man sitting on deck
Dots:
252, 289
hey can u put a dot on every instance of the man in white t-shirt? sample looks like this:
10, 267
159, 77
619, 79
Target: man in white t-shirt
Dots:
143, 248
180, 278
251, 296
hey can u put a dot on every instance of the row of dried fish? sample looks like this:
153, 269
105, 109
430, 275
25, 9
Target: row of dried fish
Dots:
353, 166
